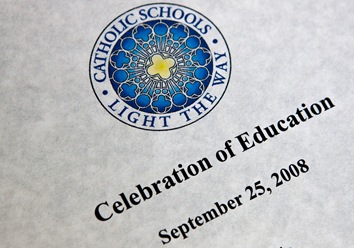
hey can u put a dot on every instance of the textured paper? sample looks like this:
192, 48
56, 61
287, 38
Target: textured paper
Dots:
61, 153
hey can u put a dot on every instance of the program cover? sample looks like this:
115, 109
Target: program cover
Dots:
176, 124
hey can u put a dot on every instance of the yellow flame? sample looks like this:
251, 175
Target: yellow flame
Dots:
161, 66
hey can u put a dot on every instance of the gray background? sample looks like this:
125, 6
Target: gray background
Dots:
61, 153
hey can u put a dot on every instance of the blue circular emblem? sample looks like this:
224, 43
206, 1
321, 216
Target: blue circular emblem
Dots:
160, 67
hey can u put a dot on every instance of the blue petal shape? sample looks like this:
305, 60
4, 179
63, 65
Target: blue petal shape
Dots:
193, 88
161, 104
128, 90
143, 33
178, 33
121, 59
201, 57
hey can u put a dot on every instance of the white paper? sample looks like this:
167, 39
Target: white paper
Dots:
62, 154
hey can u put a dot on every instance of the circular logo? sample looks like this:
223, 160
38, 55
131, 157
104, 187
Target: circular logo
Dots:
160, 67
